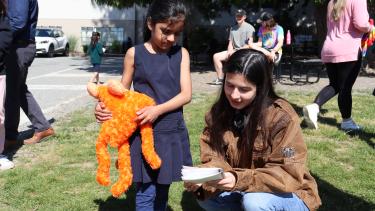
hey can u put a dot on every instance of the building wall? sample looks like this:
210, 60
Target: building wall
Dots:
71, 15
72, 27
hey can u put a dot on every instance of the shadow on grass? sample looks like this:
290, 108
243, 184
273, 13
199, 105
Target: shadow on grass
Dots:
23, 135
188, 202
114, 204
322, 120
365, 136
335, 199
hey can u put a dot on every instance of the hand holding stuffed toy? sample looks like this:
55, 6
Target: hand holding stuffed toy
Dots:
116, 132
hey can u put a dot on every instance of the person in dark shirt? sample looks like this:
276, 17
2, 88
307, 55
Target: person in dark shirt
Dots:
23, 17
5, 40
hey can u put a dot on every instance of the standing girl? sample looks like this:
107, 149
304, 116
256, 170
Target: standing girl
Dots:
5, 41
347, 21
161, 70
255, 137
95, 51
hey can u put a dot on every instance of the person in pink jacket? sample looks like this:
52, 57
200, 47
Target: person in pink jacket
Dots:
347, 21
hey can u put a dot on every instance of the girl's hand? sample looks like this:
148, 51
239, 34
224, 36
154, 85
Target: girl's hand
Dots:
148, 114
271, 56
101, 113
192, 187
227, 183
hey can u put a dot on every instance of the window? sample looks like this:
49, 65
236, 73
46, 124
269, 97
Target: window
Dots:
57, 34
107, 35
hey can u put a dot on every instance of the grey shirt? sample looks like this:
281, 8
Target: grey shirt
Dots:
239, 35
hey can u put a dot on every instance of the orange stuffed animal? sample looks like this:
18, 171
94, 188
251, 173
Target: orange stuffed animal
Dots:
116, 132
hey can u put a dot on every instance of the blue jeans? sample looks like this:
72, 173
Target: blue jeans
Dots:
228, 201
151, 196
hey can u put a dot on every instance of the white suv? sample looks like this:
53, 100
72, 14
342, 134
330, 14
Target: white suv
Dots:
50, 41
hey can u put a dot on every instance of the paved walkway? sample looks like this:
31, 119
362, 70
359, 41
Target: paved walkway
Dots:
201, 78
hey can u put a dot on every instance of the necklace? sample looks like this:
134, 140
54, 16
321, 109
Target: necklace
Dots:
240, 120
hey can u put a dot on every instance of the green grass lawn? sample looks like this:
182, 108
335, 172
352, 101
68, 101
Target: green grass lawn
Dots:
59, 174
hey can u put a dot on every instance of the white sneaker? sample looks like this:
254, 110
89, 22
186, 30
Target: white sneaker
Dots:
310, 114
5, 163
349, 126
217, 81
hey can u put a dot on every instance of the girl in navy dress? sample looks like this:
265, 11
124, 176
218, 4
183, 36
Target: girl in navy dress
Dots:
160, 69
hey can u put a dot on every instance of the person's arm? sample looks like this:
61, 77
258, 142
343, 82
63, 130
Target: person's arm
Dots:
5, 37
150, 114
101, 113
99, 48
280, 39
361, 16
18, 15
230, 49
209, 157
280, 42
128, 71
250, 40
89, 49
285, 169
258, 47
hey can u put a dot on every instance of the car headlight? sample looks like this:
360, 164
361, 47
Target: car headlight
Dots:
43, 42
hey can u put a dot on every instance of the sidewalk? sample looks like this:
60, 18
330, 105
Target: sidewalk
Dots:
201, 79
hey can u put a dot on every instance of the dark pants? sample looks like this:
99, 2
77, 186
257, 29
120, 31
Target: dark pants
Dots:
151, 196
341, 80
17, 94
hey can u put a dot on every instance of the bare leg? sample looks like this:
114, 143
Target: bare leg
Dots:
96, 77
218, 59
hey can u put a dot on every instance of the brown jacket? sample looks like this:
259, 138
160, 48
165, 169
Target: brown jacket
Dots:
279, 168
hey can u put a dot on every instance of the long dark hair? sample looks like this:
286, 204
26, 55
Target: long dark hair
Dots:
94, 39
271, 23
3, 8
257, 70
161, 11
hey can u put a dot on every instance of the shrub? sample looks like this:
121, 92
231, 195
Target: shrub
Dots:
73, 41
115, 47
85, 48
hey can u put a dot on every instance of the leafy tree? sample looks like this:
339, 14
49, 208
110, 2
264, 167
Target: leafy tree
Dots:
211, 8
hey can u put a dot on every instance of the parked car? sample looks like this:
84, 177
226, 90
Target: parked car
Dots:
50, 41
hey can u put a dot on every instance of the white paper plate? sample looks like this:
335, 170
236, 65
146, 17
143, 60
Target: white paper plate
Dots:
203, 178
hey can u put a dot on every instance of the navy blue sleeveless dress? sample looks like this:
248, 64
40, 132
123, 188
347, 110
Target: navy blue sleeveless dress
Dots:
158, 76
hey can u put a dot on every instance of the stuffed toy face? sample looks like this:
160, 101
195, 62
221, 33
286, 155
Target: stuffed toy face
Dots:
116, 132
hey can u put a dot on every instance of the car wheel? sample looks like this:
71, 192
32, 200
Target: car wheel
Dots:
66, 50
51, 51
